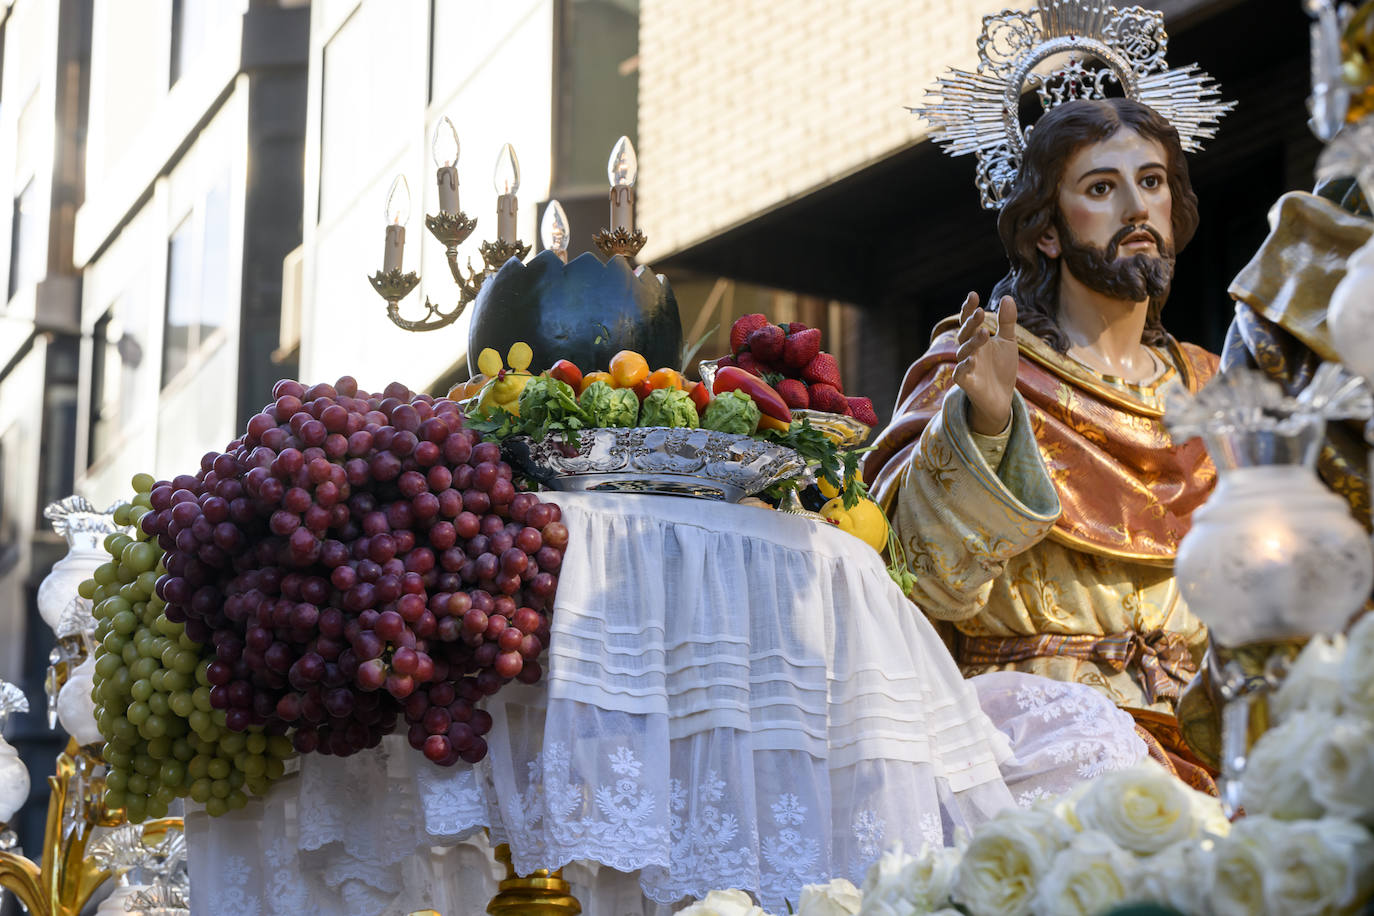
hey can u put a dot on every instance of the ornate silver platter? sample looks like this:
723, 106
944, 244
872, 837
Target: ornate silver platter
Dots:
699, 463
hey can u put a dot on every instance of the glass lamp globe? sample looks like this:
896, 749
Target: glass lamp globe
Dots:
85, 527
76, 707
14, 783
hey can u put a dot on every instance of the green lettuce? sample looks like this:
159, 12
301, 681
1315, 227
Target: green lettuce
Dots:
547, 405
605, 406
732, 412
668, 407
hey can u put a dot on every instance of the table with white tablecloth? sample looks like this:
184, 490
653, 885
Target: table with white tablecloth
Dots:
733, 697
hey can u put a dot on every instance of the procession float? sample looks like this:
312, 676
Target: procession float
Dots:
609, 628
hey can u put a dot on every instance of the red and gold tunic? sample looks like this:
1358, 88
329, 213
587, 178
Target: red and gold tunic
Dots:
1057, 557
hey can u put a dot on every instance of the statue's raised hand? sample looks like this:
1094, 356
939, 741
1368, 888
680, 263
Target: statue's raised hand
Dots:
987, 364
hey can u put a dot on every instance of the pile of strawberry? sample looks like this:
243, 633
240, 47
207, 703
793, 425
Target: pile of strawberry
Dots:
789, 357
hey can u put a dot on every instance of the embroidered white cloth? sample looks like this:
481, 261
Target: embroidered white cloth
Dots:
733, 698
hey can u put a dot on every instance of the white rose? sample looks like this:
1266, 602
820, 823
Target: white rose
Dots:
723, 903
1172, 877
1143, 809
1313, 683
1005, 860
1320, 866
1065, 805
899, 884
1340, 769
1237, 865
1274, 782
1357, 668
838, 898
1087, 878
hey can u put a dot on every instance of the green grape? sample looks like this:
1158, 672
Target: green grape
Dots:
252, 764
216, 807
116, 779
255, 742
233, 743
138, 713
160, 748
138, 783
219, 768
200, 790
114, 798
141, 690
173, 773
181, 750
86, 589
136, 808
201, 697
182, 704
220, 788
275, 768
236, 800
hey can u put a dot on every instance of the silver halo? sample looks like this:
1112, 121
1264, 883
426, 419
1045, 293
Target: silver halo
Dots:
979, 112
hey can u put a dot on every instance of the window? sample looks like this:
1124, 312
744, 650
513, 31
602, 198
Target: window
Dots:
115, 358
597, 89
197, 281
194, 23
27, 251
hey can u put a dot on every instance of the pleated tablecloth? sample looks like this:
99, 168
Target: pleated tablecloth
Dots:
733, 697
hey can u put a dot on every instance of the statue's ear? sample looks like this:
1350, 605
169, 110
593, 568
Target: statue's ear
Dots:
1048, 243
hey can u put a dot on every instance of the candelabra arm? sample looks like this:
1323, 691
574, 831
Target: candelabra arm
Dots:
21, 876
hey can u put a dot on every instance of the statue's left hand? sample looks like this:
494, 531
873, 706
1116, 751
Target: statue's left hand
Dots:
986, 370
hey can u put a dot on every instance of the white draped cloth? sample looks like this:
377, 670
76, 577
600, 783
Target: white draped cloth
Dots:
733, 697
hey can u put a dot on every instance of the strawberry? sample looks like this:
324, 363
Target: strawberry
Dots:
827, 398
794, 393
823, 370
796, 327
725, 361
801, 348
743, 327
746, 361
767, 343
862, 410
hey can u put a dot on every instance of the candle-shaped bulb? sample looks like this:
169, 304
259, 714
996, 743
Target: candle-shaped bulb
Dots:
623, 167
398, 202
506, 177
445, 146
553, 231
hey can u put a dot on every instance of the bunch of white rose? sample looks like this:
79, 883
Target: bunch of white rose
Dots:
1139, 835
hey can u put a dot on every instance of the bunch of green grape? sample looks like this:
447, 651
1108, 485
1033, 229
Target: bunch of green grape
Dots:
163, 739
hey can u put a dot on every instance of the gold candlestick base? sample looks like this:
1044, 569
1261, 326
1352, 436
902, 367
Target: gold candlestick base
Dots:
450, 228
497, 253
393, 286
541, 893
619, 241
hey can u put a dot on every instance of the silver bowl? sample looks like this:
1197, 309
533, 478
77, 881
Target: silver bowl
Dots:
699, 463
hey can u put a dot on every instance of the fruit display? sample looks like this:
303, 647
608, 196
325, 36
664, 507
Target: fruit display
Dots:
163, 737
790, 358
352, 564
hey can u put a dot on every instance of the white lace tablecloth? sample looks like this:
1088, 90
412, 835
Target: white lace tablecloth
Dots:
733, 698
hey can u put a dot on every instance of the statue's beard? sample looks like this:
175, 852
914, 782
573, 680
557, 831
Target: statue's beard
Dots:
1135, 278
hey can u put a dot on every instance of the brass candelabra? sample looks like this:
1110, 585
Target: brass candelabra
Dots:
62, 881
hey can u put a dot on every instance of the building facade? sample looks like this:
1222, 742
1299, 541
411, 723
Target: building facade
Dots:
553, 78
777, 149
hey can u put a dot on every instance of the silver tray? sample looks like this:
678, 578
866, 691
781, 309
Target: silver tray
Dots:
699, 463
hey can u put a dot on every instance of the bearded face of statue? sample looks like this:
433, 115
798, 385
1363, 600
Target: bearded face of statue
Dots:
1104, 195
1113, 225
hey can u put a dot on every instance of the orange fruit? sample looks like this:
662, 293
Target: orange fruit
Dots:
665, 378
595, 377
628, 369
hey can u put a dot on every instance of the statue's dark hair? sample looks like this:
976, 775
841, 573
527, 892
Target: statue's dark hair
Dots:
1033, 206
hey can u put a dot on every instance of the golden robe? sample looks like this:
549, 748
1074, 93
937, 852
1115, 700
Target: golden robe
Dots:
1071, 532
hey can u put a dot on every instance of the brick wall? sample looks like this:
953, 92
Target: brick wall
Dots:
747, 104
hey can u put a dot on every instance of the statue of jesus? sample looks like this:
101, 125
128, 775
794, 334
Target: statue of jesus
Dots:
1027, 470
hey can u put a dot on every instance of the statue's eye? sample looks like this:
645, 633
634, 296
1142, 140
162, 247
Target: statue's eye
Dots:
1150, 182
1100, 189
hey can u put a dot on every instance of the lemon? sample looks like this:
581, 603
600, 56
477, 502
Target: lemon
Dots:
865, 521
489, 362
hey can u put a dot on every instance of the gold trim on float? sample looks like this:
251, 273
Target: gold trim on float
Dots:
1085, 546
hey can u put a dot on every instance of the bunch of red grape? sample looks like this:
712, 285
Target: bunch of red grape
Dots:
354, 558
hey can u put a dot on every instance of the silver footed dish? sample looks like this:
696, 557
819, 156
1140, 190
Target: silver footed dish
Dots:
698, 463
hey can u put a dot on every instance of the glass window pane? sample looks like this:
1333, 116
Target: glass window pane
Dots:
598, 89
214, 259
27, 249
180, 331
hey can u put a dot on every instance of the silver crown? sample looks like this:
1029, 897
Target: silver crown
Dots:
980, 112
